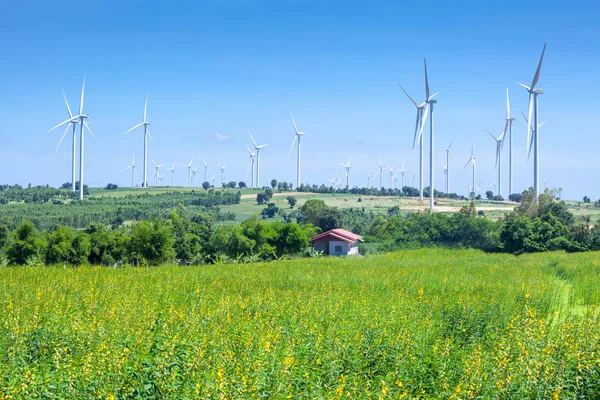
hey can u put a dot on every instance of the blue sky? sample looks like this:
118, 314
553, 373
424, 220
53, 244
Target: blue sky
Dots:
226, 67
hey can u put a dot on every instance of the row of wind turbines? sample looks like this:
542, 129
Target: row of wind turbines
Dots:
424, 110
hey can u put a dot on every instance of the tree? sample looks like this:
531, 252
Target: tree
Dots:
205, 185
231, 185
489, 194
328, 218
311, 209
261, 198
111, 186
151, 242
270, 211
27, 245
516, 197
273, 183
291, 201
268, 193
241, 184
586, 199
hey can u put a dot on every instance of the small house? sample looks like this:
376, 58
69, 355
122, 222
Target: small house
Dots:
337, 242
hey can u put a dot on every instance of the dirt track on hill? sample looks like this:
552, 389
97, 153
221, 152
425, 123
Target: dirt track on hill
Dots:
253, 196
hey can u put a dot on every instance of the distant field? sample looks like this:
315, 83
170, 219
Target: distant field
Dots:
414, 324
378, 204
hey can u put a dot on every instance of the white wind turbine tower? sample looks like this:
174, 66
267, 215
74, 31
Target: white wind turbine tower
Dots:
257, 148
81, 118
472, 161
213, 180
499, 144
189, 167
494, 185
172, 169
347, 167
132, 166
252, 156
156, 174
146, 125
72, 123
391, 171
222, 173
380, 172
532, 128
402, 175
205, 168
194, 176
508, 128
447, 168
297, 136
368, 180
430, 102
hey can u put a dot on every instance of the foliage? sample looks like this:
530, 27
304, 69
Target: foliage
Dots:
291, 201
111, 186
273, 183
270, 211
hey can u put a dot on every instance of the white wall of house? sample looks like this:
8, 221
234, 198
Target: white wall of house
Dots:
338, 247
353, 248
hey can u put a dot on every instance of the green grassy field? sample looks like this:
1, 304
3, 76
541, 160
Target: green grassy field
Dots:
415, 324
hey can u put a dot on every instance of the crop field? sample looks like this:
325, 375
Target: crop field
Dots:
415, 324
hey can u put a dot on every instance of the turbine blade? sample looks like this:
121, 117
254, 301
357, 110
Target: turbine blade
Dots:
526, 87
63, 136
82, 96
67, 104
468, 162
407, 95
425, 114
493, 137
149, 134
540, 125
291, 148
90, 131
529, 127
433, 95
145, 107
426, 80
452, 142
415, 138
137, 126
539, 67
295, 127
251, 138
62, 123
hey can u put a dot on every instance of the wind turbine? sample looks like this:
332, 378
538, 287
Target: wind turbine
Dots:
413, 178
402, 175
297, 135
172, 169
146, 125
213, 180
132, 166
391, 171
257, 148
472, 161
430, 103
508, 127
189, 167
494, 185
81, 118
447, 169
380, 172
347, 167
72, 123
252, 156
205, 168
499, 144
222, 173
194, 176
533, 130
368, 180
156, 175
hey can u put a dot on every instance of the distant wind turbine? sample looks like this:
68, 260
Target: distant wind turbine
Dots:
508, 128
447, 169
257, 148
172, 169
189, 167
156, 173
81, 118
205, 168
252, 156
402, 175
499, 144
532, 128
146, 126
222, 173
380, 172
347, 167
472, 161
297, 136
73, 123
132, 166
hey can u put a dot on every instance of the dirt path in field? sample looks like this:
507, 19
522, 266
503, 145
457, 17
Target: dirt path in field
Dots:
275, 194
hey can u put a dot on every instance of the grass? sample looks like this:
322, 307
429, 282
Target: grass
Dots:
414, 324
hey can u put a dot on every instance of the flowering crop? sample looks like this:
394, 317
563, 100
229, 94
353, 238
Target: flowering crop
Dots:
415, 324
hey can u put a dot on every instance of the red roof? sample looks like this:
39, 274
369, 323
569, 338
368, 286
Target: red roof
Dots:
339, 234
